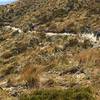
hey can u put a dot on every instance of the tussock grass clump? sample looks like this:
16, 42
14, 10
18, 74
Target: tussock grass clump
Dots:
31, 75
89, 57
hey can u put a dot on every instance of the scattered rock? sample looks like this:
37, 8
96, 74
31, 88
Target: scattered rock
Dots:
49, 83
73, 70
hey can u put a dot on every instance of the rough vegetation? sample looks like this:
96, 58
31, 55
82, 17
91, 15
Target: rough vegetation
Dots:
55, 15
69, 94
50, 50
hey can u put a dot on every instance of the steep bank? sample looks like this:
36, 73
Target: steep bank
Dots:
55, 15
50, 49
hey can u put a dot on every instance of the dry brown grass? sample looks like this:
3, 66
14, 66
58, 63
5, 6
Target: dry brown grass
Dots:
31, 70
89, 57
31, 75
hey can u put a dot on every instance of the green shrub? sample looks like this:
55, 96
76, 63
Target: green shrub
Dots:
54, 94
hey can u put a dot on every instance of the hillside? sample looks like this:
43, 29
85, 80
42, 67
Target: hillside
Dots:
50, 50
55, 15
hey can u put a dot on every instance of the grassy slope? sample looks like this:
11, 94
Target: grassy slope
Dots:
36, 60
73, 14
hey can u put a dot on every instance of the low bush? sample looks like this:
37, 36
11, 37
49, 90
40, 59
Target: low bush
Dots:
53, 94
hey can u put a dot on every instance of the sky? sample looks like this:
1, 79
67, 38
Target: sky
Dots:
3, 2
